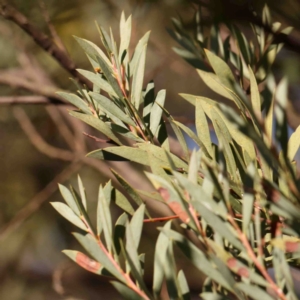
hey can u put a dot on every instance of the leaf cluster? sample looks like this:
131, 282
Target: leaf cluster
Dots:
238, 197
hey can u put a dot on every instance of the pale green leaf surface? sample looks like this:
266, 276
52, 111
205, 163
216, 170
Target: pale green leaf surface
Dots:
294, 144
138, 79
156, 111
92, 247
97, 124
98, 81
68, 214
112, 108
82, 193
68, 197
76, 101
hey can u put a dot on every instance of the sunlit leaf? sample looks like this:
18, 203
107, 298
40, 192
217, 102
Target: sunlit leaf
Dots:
67, 213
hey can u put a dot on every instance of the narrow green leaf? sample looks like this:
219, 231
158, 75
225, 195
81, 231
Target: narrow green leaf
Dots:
68, 197
131, 248
125, 34
119, 232
82, 193
254, 291
93, 248
255, 97
159, 259
130, 190
123, 203
98, 81
136, 224
223, 228
125, 291
97, 124
194, 167
198, 258
68, 214
183, 286
107, 71
221, 69
294, 144
92, 50
112, 108
138, 79
213, 296
215, 84
84, 261
139, 48
156, 112
76, 101
104, 218
248, 201
202, 127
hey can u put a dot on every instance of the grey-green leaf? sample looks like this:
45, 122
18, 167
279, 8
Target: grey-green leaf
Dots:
97, 124
68, 214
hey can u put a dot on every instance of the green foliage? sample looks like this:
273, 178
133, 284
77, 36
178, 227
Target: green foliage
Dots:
239, 199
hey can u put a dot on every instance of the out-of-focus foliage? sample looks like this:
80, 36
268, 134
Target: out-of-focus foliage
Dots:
237, 199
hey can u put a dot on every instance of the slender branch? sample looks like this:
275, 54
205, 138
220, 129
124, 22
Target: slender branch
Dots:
255, 260
41, 100
38, 141
44, 41
36, 202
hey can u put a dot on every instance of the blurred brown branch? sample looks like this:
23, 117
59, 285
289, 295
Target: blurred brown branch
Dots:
44, 41
34, 99
35, 203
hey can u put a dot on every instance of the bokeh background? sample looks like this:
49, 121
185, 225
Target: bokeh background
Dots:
41, 143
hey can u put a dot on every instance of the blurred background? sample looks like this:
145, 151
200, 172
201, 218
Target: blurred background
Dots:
42, 145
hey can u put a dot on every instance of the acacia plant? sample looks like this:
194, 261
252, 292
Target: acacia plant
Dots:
237, 199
